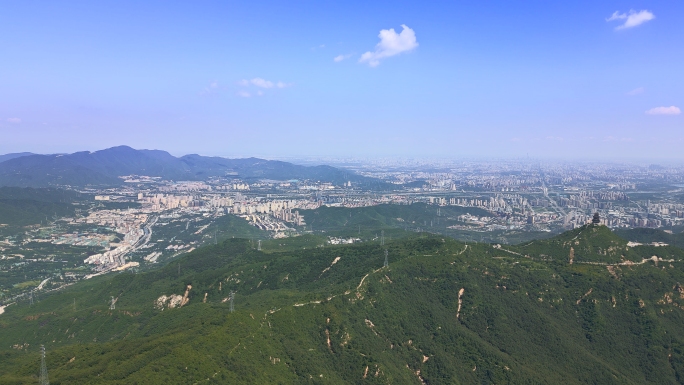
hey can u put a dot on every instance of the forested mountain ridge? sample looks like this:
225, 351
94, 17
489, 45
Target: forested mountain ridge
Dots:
442, 312
105, 167
26, 206
14, 155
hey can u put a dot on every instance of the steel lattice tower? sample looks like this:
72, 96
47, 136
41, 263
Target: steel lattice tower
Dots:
43, 367
232, 297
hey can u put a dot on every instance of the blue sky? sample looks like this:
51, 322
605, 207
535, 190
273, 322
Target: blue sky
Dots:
488, 79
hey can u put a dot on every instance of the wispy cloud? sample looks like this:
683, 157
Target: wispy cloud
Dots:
391, 44
339, 58
555, 138
213, 87
632, 19
616, 139
636, 91
244, 94
672, 110
263, 83
13, 120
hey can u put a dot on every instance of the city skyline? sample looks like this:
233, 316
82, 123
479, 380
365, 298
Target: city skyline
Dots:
384, 80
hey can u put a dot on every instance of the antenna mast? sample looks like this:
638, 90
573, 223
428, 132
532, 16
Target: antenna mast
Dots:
43, 367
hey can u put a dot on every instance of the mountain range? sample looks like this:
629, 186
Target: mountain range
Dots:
106, 167
584, 307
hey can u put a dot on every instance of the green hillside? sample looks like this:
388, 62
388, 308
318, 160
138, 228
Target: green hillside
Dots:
645, 235
593, 244
386, 216
443, 312
26, 206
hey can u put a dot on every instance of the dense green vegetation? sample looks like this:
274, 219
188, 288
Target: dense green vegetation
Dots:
386, 216
593, 244
26, 206
442, 312
645, 235
396, 220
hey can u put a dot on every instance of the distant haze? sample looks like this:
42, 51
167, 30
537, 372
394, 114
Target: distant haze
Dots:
572, 80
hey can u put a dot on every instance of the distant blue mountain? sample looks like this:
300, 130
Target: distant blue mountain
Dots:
14, 155
105, 167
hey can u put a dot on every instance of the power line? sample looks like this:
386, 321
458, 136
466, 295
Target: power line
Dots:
43, 367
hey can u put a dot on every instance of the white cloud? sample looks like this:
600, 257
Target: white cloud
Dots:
263, 83
13, 120
555, 138
339, 58
244, 94
391, 43
616, 139
636, 91
632, 19
210, 89
672, 110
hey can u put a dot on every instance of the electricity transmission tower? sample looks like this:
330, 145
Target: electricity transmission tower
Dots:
386, 262
382, 237
43, 367
259, 245
232, 298
112, 305
31, 297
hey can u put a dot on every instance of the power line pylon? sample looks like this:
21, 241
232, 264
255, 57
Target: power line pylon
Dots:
386, 262
112, 305
232, 299
43, 367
